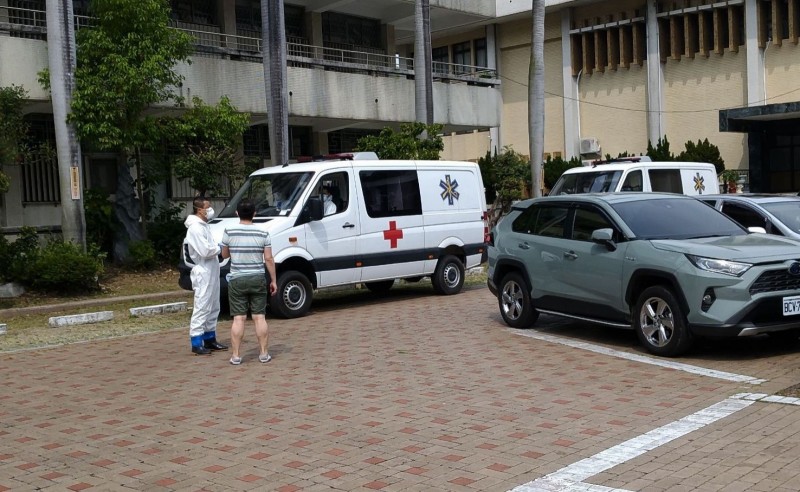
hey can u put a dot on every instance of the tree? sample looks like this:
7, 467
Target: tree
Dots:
275, 79
406, 143
126, 64
210, 138
13, 129
536, 97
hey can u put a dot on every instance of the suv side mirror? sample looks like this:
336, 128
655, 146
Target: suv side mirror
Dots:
604, 237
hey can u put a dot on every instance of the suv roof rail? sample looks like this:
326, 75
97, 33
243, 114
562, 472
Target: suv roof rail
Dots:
342, 156
635, 158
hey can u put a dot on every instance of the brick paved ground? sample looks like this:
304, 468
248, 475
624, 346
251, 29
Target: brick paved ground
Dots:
415, 393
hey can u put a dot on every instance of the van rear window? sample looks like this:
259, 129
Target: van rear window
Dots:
591, 182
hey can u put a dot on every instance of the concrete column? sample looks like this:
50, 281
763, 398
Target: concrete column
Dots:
756, 91
315, 33
387, 30
492, 62
3, 11
226, 17
572, 122
655, 77
319, 142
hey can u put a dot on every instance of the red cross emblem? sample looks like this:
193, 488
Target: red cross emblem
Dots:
393, 233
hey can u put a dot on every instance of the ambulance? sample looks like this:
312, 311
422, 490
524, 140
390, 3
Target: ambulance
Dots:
392, 220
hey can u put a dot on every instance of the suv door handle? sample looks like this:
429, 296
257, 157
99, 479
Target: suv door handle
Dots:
570, 255
524, 246
348, 225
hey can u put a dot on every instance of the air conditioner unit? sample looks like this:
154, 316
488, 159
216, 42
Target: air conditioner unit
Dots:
590, 146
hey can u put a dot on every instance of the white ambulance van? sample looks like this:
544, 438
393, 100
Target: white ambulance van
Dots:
639, 174
393, 220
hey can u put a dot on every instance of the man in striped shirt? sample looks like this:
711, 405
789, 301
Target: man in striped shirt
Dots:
249, 249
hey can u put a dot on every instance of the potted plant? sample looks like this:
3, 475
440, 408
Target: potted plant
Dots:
729, 178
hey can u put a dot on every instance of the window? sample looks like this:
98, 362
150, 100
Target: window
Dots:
391, 193
338, 186
551, 221
586, 222
633, 181
341, 29
462, 57
745, 216
440, 57
196, 11
481, 53
665, 180
346, 140
526, 221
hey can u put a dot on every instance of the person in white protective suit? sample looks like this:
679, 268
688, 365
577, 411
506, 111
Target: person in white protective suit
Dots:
327, 201
200, 251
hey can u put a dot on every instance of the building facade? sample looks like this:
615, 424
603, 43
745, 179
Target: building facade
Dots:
618, 75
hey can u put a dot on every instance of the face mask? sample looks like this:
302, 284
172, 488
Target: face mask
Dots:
209, 213
326, 198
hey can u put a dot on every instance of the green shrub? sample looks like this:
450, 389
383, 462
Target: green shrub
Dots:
703, 151
141, 255
167, 232
660, 152
5, 183
20, 256
63, 266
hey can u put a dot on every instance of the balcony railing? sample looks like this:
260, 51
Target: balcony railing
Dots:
246, 44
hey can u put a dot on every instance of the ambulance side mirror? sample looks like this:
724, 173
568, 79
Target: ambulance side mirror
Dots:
312, 211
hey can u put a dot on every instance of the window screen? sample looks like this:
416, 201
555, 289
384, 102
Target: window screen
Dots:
665, 180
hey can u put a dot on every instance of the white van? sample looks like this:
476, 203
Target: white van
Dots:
639, 174
393, 219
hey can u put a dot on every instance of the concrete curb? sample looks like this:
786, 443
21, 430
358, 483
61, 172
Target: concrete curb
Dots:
158, 309
80, 319
49, 308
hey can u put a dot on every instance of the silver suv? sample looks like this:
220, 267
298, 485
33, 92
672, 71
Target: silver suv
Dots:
668, 266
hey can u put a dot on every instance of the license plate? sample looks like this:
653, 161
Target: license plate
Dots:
791, 305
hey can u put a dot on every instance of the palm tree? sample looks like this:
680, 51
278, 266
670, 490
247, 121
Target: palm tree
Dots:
536, 97
273, 35
423, 78
61, 54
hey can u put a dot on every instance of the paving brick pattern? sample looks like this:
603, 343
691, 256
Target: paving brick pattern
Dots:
414, 393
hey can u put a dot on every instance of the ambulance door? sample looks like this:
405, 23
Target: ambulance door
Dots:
331, 241
392, 234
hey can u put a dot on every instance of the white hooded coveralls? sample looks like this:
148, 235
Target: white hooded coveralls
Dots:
202, 253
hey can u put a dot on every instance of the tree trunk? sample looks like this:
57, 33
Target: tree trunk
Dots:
536, 97
273, 35
61, 60
126, 210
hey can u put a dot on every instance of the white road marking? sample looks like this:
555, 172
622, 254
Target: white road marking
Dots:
571, 477
678, 366
763, 397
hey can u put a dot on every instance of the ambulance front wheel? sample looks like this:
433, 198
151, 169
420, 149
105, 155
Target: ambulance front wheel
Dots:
448, 278
293, 298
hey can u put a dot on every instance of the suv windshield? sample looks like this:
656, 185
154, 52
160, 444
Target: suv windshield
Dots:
273, 194
674, 218
591, 182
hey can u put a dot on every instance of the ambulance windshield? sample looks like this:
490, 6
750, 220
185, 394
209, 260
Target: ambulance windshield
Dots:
273, 194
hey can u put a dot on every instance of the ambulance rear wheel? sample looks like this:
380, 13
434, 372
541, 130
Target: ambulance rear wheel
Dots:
293, 298
448, 278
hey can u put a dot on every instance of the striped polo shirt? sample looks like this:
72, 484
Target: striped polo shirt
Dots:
246, 243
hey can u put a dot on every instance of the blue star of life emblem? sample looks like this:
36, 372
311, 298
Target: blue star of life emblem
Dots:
449, 188
699, 184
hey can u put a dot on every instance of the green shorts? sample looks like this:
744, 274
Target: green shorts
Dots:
248, 292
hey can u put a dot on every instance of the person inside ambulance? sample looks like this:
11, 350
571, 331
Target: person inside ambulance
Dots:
327, 201
200, 251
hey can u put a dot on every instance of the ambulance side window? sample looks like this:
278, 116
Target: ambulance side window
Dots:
391, 193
